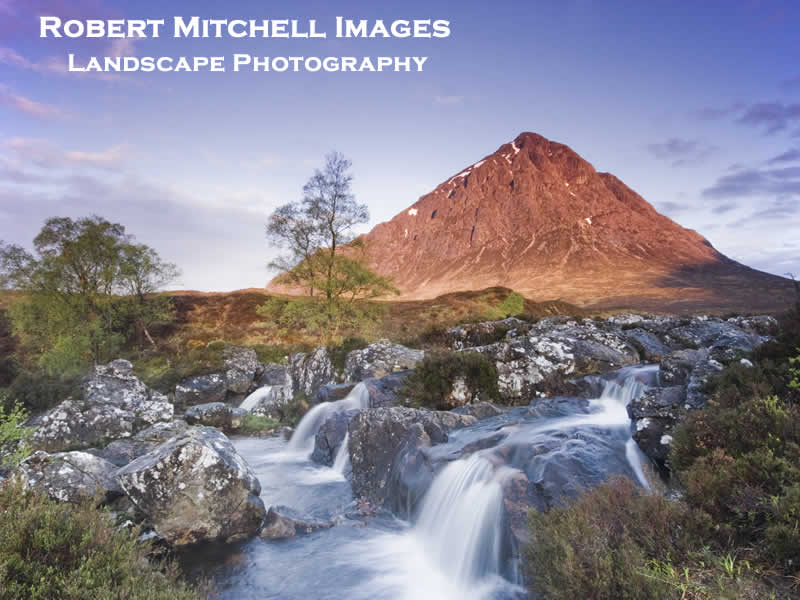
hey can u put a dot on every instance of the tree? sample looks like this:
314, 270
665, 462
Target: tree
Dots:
322, 258
82, 288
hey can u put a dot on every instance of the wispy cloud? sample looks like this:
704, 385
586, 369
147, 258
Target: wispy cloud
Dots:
771, 116
791, 155
53, 65
757, 182
681, 152
30, 107
45, 154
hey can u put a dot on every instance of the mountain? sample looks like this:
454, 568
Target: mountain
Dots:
534, 216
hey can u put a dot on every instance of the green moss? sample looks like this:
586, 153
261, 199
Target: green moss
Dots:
432, 380
256, 424
52, 550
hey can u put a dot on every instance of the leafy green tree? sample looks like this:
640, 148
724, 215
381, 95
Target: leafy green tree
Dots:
84, 289
322, 258
14, 436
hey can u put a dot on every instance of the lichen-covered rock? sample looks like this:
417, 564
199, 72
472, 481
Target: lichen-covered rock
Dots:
724, 339
70, 476
379, 359
241, 366
650, 346
201, 389
528, 364
654, 415
481, 410
195, 487
381, 437
486, 333
161, 432
309, 372
215, 414
283, 522
112, 404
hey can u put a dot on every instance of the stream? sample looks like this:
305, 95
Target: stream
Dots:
455, 540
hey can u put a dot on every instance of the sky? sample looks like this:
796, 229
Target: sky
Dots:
695, 105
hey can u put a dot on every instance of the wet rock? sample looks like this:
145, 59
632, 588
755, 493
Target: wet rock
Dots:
112, 404
201, 389
282, 523
723, 338
215, 414
309, 372
654, 414
385, 391
379, 359
330, 436
195, 487
379, 436
332, 392
241, 366
70, 476
271, 400
481, 410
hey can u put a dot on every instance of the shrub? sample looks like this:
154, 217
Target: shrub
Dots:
599, 546
277, 353
255, 424
53, 550
14, 436
38, 392
432, 380
294, 410
338, 353
511, 306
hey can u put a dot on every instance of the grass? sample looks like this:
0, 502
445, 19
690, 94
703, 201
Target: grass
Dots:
256, 424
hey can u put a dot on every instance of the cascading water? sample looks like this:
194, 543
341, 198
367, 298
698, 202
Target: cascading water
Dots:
302, 441
257, 396
342, 462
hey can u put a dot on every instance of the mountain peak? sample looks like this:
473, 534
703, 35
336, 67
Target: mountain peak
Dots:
536, 217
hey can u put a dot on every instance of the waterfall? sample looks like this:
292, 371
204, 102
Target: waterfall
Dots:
302, 441
342, 462
461, 519
260, 394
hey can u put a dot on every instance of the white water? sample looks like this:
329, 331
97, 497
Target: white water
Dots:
260, 394
302, 442
342, 462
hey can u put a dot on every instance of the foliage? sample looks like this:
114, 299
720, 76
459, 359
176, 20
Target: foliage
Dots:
322, 259
163, 372
598, 546
739, 458
40, 392
87, 289
431, 382
338, 353
512, 306
255, 424
14, 436
293, 411
53, 550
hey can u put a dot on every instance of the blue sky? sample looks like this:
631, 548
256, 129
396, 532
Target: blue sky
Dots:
694, 105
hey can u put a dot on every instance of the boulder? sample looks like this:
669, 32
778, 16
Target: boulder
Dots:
273, 374
384, 391
654, 415
379, 359
650, 346
724, 339
268, 400
481, 410
241, 368
194, 488
161, 432
381, 437
330, 436
332, 392
201, 389
486, 333
70, 476
121, 452
309, 372
282, 522
112, 404
215, 414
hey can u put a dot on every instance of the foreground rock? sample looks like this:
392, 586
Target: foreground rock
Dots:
282, 523
216, 414
70, 476
379, 359
112, 404
384, 441
194, 488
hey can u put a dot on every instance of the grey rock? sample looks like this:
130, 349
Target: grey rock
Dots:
330, 436
379, 359
332, 392
194, 488
381, 436
241, 366
486, 333
201, 389
215, 414
113, 404
481, 410
650, 345
70, 476
385, 391
273, 374
282, 523
309, 372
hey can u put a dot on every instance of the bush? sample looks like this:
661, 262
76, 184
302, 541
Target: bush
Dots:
431, 382
294, 410
52, 550
37, 392
338, 353
256, 424
599, 546
14, 436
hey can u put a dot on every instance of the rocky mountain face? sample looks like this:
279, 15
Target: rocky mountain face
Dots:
534, 216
